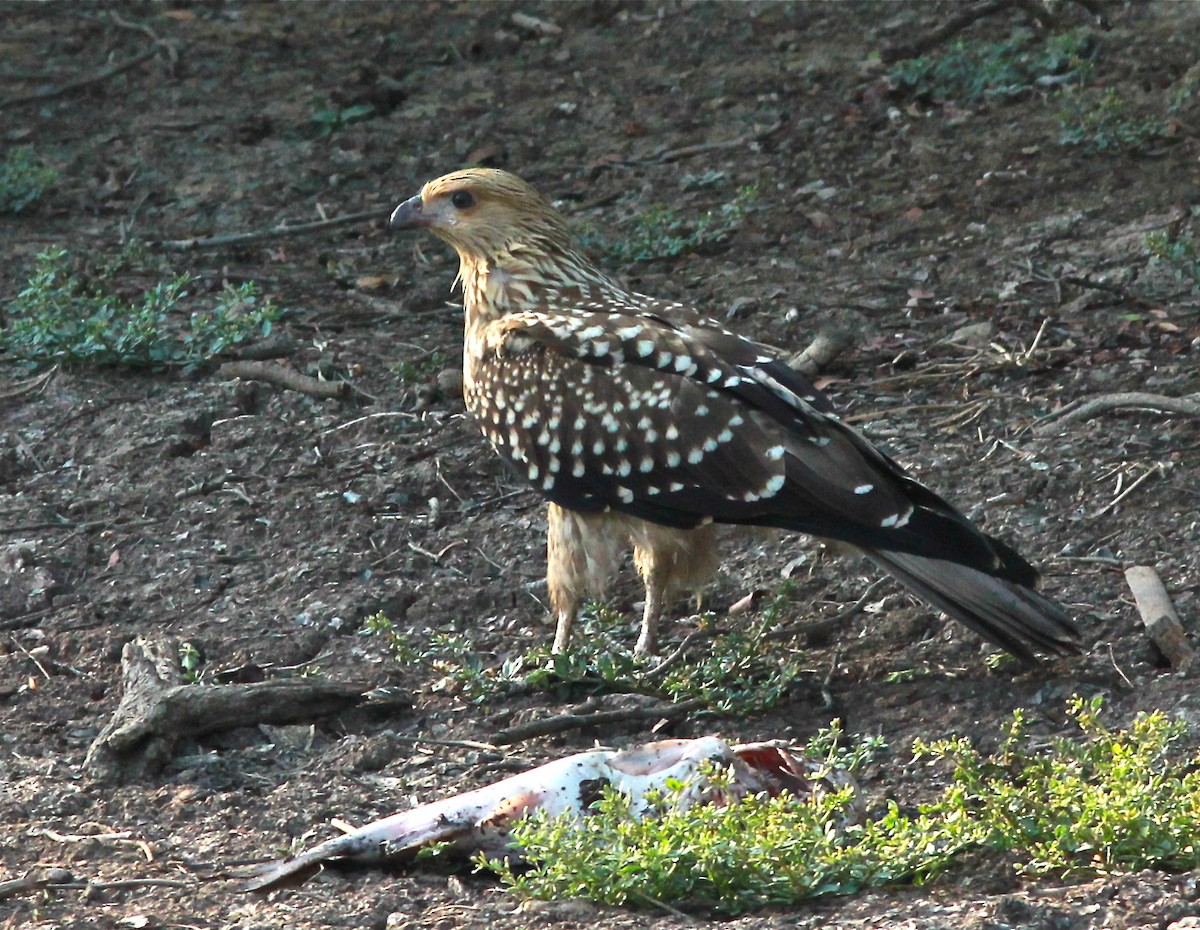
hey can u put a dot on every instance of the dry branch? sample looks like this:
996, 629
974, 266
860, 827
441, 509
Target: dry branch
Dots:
279, 346
1156, 469
33, 880
159, 709
1159, 617
28, 386
947, 30
562, 723
283, 231
1040, 12
818, 627
100, 77
1129, 400
290, 379
666, 156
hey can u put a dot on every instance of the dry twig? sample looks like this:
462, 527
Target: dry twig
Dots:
666, 156
31, 657
815, 627
1155, 469
51, 93
947, 30
291, 379
1127, 400
452, 743
563, 723
33, 880
959, 21
282, 231
1124, 293
29, 385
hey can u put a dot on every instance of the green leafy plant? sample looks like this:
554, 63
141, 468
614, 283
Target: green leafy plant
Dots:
904, 675
741, 671
23, 180
1109, 801
1113, 801
449, 655
329, 119
191, 661
1182, 254
660, 232
421, 370
57, 318
968, 71
1186, 89
831, 746
1101, 121
736, 672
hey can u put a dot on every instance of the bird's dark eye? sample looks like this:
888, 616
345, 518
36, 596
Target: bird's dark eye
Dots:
462, 200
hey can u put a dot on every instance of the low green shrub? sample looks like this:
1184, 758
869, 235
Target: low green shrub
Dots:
56, 318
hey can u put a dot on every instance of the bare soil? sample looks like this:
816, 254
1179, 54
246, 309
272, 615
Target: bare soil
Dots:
263, 526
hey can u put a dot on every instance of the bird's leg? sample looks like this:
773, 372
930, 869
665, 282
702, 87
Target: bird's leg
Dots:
562, 630
670, 561
656, 603
562, 573
582, 553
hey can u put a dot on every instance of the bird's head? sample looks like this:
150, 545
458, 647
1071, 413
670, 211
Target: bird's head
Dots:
485, 213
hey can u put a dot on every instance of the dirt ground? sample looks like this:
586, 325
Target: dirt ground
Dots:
262, 525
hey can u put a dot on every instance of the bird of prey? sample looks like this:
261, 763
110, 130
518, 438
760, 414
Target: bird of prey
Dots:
644, 423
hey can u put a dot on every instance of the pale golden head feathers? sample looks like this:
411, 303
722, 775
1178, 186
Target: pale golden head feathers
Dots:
484, 213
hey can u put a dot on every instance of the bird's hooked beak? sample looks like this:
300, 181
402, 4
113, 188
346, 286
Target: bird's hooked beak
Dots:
410, 215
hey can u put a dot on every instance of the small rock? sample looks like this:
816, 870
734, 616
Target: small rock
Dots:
554, 912
973, 334
450, 382
16, 557
1012, 910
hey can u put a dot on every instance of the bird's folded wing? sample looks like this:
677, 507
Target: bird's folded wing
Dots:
683, 424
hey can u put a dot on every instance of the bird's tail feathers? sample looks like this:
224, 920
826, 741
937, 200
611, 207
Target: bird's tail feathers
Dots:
1010, 615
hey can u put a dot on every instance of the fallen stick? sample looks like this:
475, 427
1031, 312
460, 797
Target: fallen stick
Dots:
817, 627
561, 723
666, 156
290, 379
275, 232
62, 90
1127, 400
947, 30
34, 880
35, 383
1156, 469
1159, 617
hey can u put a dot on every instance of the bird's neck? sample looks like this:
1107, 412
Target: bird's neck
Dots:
525, 279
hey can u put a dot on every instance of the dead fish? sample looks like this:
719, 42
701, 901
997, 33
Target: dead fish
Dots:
481, 820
